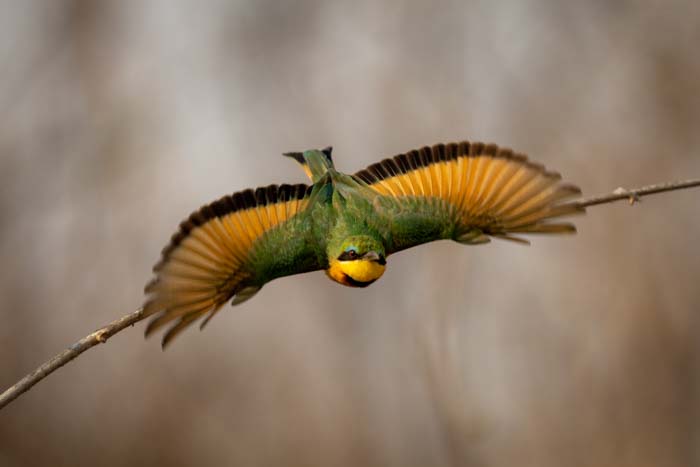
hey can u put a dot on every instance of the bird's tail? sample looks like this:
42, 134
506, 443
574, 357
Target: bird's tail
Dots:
314, 162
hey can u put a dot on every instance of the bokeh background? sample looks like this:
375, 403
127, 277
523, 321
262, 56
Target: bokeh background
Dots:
120, 117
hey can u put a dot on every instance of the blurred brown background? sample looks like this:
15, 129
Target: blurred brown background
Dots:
119, 118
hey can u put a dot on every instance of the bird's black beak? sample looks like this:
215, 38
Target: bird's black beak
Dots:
374, 256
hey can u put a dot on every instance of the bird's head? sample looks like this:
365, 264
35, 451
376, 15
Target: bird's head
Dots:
358, 262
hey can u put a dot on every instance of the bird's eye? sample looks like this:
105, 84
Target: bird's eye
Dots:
348, 255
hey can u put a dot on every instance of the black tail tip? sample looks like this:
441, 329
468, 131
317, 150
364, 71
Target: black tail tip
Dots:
297, 156
327, 152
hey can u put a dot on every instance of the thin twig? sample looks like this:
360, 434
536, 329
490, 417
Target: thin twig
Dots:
98, 337
101, 335
634, 194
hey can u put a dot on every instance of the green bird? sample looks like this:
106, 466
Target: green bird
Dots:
348, 225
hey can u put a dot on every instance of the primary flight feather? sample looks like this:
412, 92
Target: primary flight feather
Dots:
348, 225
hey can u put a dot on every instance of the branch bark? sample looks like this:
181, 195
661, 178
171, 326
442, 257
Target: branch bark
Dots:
98, 337
101, 335
635, 194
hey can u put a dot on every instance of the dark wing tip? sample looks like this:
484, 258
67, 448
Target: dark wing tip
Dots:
181, 325
428, 155
572, 190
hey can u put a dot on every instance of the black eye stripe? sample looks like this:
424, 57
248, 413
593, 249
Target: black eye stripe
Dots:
352, 255
348, 255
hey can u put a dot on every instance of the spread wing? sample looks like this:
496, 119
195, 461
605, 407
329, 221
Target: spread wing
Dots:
229, 249
467, 192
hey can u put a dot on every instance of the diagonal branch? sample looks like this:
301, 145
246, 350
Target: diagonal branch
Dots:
98, 337
101, 335
634, 194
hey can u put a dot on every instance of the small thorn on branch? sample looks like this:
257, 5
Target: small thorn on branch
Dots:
101, 335
633, 196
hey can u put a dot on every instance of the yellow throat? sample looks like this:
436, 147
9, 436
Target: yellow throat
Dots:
355, 273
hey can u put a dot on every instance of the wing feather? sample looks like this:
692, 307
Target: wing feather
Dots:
211, 258
460, 189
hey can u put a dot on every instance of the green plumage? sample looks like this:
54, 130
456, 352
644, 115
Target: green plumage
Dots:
341, 206
348, 224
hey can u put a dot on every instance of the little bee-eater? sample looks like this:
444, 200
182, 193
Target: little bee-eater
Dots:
348, 225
